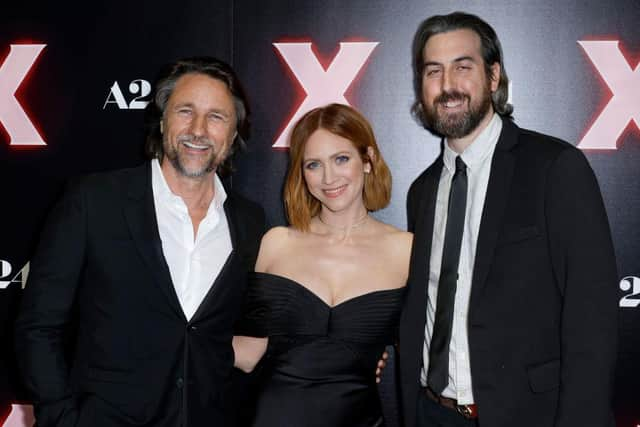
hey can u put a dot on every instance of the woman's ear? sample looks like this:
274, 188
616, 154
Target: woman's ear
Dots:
372, 158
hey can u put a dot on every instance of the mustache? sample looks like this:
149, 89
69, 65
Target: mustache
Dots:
192, 139
445, 97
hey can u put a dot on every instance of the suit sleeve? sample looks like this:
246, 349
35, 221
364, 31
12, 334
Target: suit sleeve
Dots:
46, 310
411, 207
585, 269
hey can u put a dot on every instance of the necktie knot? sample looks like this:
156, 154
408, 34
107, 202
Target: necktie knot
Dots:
460, 165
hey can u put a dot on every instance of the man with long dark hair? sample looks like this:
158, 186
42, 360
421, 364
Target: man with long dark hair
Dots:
510, 318
152, 263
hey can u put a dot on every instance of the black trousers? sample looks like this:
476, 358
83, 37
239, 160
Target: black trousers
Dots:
432, 414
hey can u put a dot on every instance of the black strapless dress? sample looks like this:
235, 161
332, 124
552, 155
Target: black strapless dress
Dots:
321, 360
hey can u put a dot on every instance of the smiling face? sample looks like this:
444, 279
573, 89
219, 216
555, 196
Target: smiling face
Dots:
456, 90
198, 126
334, 172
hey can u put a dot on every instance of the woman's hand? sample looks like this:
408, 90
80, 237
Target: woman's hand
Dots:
381, 364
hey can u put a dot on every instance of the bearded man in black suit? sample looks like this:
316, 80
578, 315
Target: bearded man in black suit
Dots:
510, 317
151, 262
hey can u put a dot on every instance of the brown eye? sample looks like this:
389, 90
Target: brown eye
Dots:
217, 118
431, 71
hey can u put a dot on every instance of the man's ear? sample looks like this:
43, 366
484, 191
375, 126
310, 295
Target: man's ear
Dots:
495, 76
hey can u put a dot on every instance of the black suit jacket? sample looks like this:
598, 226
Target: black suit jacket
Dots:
136, 358
542, 321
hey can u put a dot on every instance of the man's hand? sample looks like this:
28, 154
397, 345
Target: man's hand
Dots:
381, 364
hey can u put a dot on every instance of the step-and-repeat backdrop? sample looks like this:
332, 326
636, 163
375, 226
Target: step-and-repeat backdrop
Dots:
75, 78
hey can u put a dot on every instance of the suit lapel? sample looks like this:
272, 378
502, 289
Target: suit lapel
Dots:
502, 167
140, 215
424, 222
232, 221
420, 258
230, 210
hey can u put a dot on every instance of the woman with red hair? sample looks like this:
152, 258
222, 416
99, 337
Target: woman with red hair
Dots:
325, 298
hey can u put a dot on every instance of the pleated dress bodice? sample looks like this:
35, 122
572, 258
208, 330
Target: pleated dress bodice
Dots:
321, 359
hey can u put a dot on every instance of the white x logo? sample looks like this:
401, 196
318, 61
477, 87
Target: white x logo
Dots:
12, 72
623, 106
322, 87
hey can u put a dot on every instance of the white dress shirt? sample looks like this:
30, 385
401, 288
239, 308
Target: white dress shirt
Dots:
194, 261
477, 156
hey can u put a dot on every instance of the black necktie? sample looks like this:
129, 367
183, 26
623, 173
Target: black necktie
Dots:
438, 373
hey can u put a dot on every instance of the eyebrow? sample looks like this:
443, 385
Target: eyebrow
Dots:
464, 58
183, 104
213, 110
459, 59
333, 156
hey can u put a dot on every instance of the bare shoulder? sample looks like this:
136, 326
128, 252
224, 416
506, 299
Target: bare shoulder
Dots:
402, 241
274, 242
275, 235
398, 239
395, 246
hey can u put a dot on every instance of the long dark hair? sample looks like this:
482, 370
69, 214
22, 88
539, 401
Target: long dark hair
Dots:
166, 83
491, 51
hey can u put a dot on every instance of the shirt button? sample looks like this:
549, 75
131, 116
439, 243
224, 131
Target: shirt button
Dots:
179, 383
193, 328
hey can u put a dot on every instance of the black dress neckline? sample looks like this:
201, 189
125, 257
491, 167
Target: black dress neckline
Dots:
347, 301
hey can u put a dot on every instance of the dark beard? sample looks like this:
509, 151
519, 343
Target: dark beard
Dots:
456, 125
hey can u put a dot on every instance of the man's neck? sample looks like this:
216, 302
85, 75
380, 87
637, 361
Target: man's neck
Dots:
196, 192
460, 144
